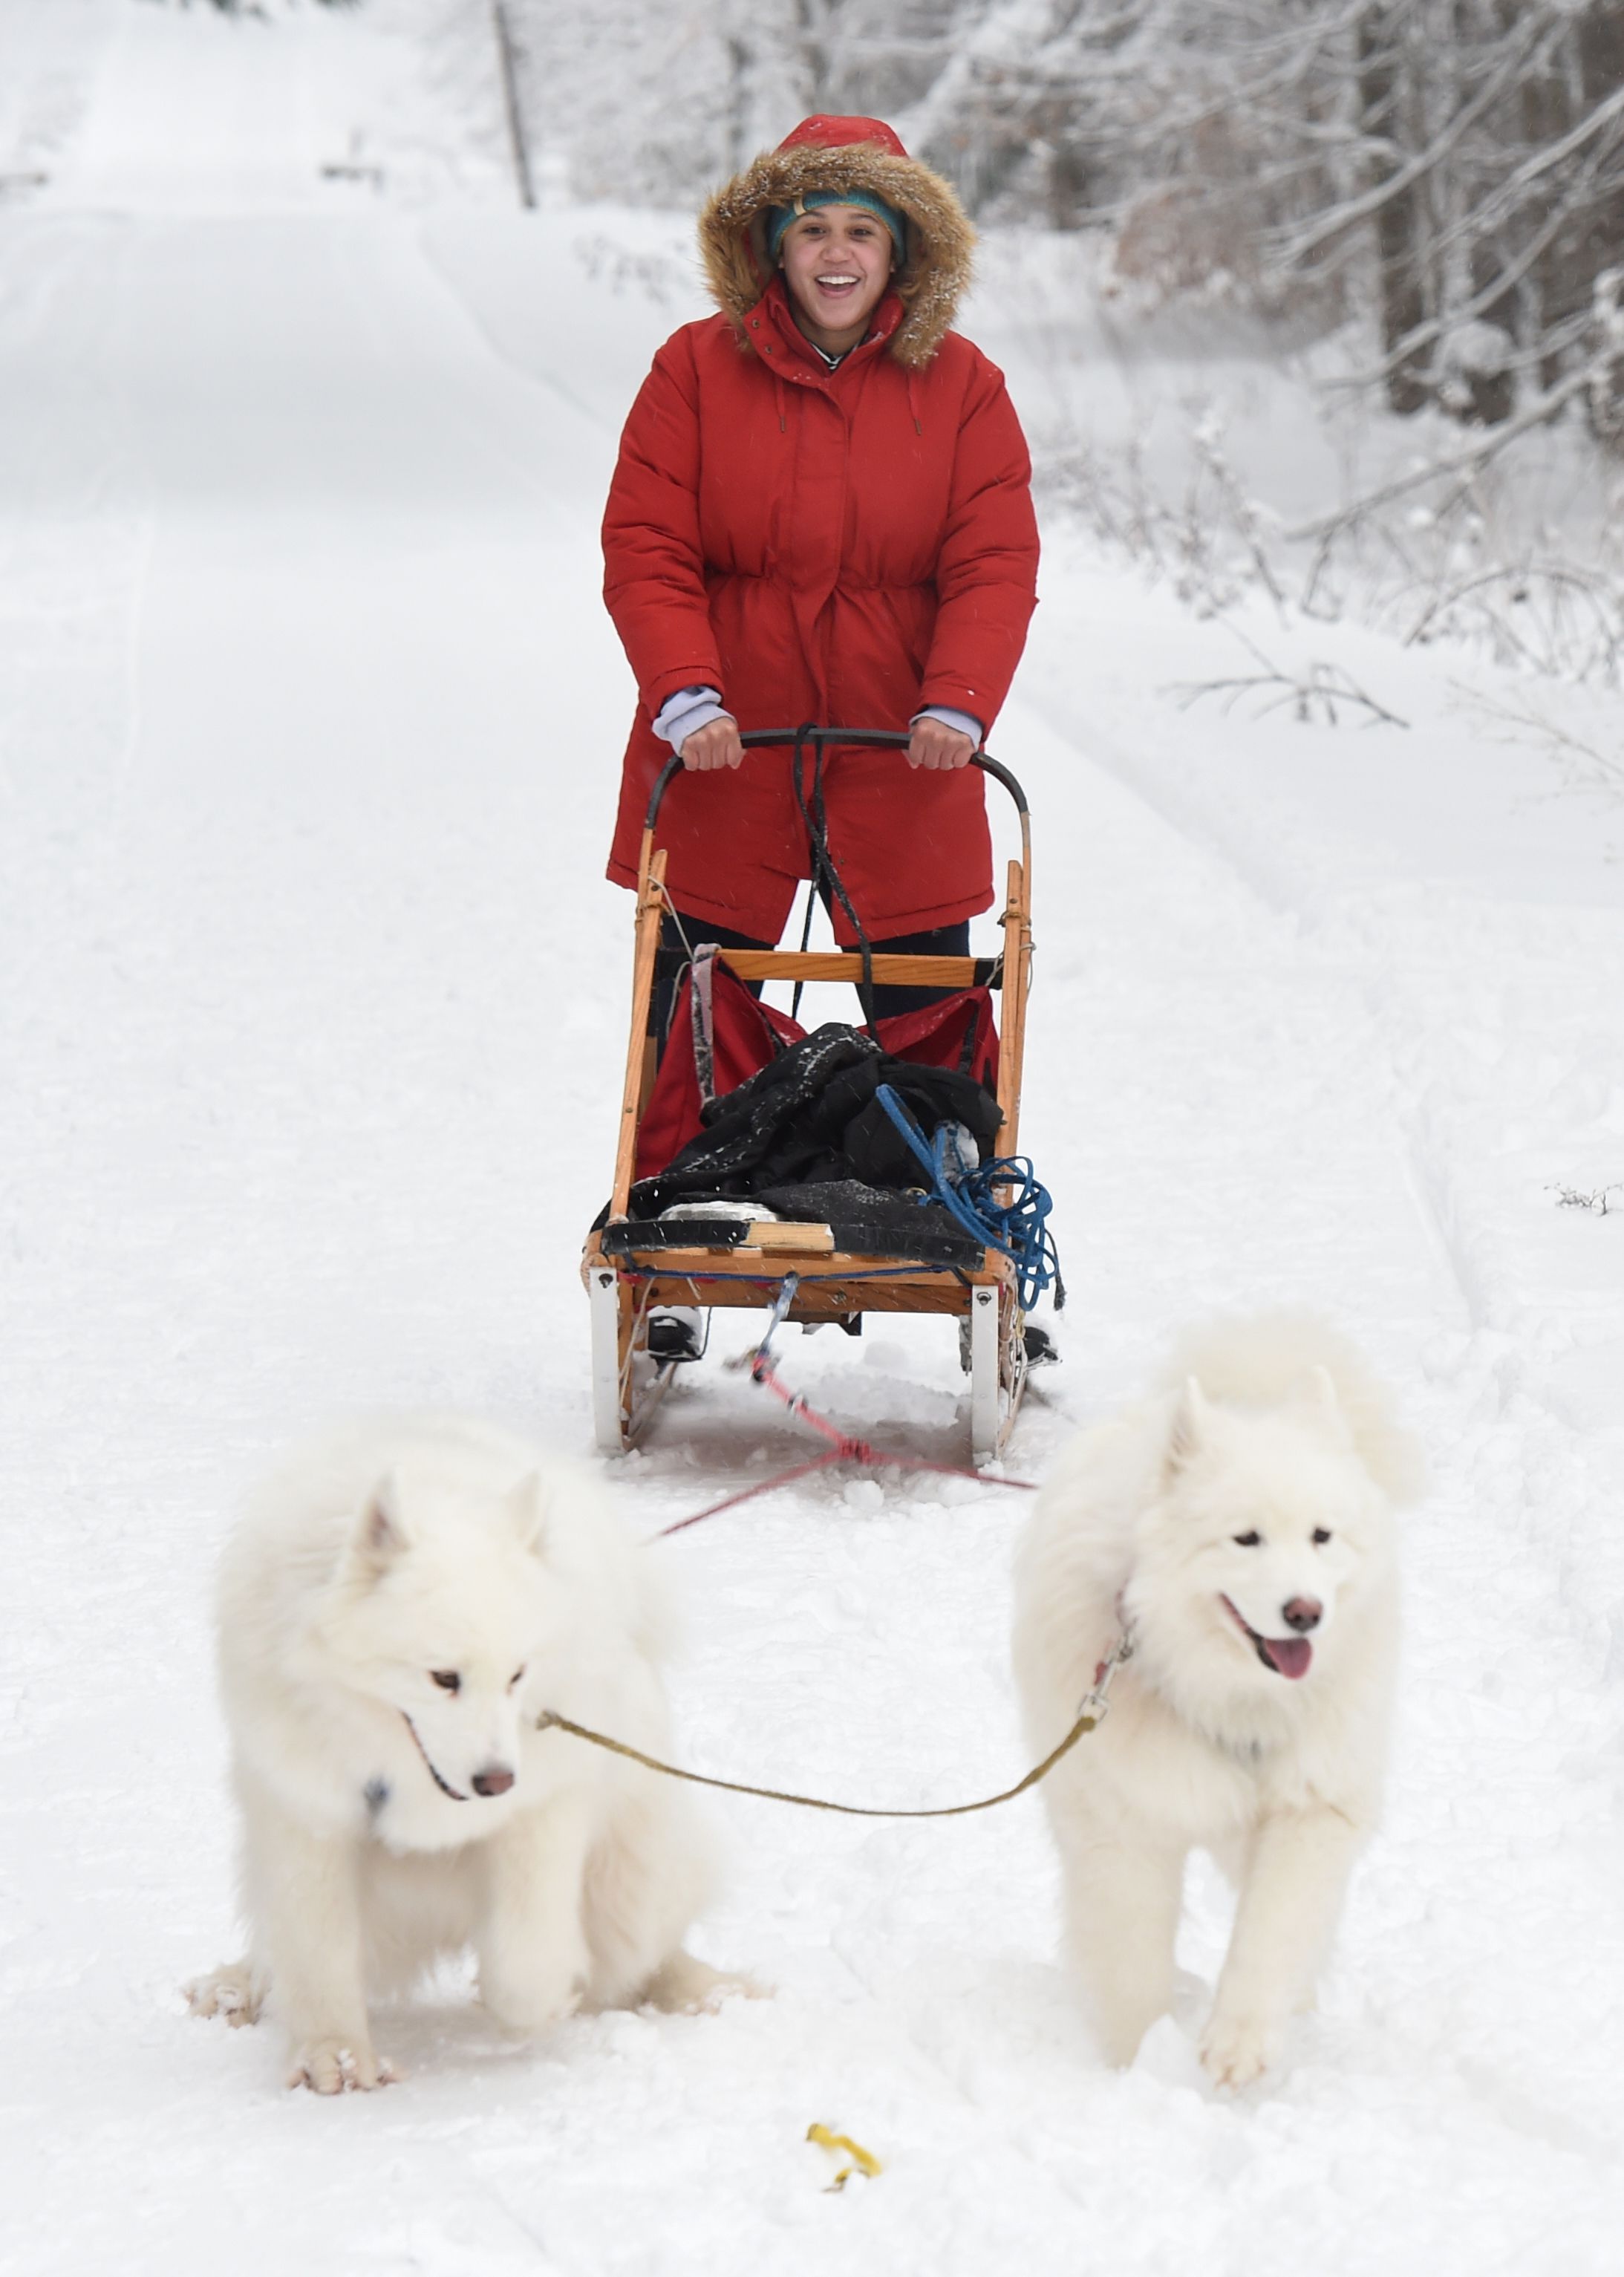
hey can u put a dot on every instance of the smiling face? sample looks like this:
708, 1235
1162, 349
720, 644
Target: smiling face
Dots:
1278, 1571
836, 262
1267, 1530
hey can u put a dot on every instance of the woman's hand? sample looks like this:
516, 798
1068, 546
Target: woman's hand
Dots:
933, 743
716, 745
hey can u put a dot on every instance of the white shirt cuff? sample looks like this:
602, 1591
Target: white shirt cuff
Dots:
949, 717
683, 714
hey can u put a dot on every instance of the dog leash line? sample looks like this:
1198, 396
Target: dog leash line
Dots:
1090, 1717
1083, 1724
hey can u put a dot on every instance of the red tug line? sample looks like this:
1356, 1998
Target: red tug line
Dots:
842, 1449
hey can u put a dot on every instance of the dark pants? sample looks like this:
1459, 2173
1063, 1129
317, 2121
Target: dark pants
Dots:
945, 941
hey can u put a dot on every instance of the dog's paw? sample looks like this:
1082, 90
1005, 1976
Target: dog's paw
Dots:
727, 1984
1121, 2020
1238, 2049
235, 1992
330, 2065
530, 2015
684, 1986
531, 2003
1118, 2044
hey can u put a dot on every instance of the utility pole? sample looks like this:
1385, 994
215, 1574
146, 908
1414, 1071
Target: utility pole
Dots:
507, 61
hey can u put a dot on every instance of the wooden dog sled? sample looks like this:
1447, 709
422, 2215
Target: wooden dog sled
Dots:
631, 1272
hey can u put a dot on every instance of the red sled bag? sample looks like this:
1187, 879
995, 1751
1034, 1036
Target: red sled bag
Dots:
707, 1058
957, 1033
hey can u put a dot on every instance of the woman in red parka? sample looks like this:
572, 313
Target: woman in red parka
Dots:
821, 512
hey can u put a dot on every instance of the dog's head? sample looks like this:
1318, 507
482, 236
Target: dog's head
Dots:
1266, 1529
441, 1605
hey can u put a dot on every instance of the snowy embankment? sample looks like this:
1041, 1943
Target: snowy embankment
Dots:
314, 1010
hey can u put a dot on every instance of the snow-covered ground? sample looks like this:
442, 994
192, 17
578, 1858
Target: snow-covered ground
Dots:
313, 1012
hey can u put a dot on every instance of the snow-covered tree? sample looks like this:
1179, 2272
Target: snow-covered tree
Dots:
1463, 159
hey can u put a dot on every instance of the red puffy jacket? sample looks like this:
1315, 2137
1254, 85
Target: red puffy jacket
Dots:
842, 547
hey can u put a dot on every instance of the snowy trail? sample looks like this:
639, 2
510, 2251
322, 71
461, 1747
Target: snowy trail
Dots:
314, 1018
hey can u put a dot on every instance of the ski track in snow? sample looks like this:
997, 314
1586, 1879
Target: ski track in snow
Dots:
314, 1018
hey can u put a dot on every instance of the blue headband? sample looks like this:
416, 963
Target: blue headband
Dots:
780, 218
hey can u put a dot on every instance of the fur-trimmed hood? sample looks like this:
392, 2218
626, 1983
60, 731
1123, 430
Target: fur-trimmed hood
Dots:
844, 153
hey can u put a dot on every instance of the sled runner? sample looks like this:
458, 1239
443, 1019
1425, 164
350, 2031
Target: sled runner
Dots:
851, 1257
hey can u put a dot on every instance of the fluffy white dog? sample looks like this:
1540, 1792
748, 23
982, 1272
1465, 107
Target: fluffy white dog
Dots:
1237, 1530
399, 1603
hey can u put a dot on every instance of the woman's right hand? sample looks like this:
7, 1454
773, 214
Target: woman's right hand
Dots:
715, 745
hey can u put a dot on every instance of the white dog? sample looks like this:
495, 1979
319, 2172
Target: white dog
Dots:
1235, 1531
399, 1604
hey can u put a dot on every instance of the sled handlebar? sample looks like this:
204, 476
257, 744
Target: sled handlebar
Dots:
799, 739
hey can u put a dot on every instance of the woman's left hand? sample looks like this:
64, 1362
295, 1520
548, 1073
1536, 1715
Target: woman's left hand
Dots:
933, 743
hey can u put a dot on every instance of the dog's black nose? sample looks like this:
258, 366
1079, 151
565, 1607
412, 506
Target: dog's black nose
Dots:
1299, 1613
496, 1778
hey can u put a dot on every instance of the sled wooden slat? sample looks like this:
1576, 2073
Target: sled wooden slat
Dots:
1017, 977
723, 1279
846, 965
767, 1233
757, 1264
640, 1049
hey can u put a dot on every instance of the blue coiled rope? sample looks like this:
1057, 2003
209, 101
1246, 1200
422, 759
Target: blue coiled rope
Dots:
1018, 1227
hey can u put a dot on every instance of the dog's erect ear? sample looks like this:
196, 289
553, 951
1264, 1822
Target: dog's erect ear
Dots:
1190, 1421
527, 1508
1318, 1390
381, 1533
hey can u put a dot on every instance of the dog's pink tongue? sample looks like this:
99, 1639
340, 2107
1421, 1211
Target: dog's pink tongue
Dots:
1290, 1654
